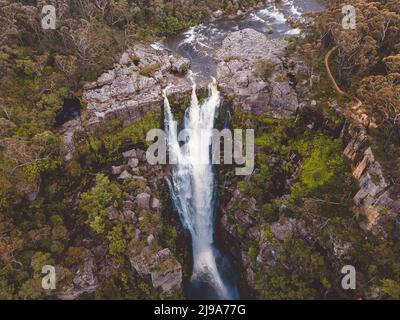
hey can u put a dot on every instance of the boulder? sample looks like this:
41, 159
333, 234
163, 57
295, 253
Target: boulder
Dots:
165, 271
137, 234
129, 154
150, 239
133, 162
125, 59
143, 201
155, 203
32, 196
141, 155
180, 65
218, 14
112, 213
106, 78
116, 170
125, 175
144, 262
139, 178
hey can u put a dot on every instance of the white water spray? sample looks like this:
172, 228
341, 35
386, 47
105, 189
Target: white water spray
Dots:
193, 185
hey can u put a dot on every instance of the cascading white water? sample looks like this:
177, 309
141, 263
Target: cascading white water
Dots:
193, 185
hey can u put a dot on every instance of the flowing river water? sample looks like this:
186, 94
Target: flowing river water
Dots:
193, 182
197, 43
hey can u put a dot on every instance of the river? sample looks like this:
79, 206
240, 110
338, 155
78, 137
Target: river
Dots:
197, 43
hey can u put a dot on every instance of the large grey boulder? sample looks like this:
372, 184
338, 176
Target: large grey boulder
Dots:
143, 201
125, 59
112, 213
125, 176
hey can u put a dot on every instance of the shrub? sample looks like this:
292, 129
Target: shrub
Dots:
263, 69
149, 70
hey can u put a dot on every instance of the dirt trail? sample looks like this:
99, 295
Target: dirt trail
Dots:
356, 112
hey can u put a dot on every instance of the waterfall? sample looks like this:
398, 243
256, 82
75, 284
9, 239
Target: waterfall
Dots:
193, 186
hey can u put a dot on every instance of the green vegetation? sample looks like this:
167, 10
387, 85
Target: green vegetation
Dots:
263, 69
149, 70
319, 193
50, 228
96, 202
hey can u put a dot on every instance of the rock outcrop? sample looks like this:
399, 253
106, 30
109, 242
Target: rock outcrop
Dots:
134, 86
165, 271
237, 59
240, 228
84, 280
373, 199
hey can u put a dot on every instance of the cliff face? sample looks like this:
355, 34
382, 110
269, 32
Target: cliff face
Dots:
264, 234
373, 200
260, 236
134, 86
129, 91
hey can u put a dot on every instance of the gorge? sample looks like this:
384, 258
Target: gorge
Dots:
193, 187
78, 193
